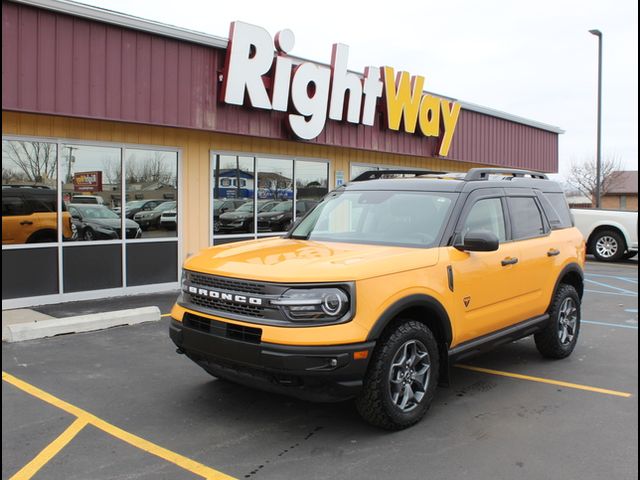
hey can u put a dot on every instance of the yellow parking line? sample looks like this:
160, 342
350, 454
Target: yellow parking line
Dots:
165, 315
51, 450
138, 442
546, 380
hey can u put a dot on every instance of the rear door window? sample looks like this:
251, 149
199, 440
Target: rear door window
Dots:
526, 218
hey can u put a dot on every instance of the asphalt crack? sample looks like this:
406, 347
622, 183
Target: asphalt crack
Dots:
283, 452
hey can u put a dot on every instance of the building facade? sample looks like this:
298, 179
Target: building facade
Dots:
122, 153
623, 191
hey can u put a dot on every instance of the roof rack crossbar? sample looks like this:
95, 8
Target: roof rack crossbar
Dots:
484, 173
375, 174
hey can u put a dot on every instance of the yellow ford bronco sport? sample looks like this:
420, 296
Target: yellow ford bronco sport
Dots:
383, 285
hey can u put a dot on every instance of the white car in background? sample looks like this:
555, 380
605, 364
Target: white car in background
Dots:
169, 219
611, 235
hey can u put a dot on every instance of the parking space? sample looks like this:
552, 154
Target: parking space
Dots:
120, 403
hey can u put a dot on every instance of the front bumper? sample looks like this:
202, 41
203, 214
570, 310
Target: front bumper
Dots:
316, 373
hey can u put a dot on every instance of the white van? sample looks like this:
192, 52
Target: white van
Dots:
87, 199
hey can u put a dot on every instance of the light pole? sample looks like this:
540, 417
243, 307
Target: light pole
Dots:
598, 34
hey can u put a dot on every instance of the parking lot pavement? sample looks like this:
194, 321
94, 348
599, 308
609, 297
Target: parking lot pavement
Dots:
155, 414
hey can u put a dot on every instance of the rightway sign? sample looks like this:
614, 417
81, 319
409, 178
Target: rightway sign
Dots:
310, 92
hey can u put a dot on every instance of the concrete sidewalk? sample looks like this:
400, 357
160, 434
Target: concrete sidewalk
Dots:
82, 316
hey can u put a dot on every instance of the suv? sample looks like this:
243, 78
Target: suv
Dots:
384, 285
29, 215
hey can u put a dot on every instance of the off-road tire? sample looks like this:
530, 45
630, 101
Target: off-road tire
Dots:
615, 240
374, 402
548, 341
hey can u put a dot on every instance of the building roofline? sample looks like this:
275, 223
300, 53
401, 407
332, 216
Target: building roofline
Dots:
122, 19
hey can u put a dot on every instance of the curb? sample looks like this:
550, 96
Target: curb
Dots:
82, 323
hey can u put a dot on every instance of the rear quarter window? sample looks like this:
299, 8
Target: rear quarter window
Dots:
561, 208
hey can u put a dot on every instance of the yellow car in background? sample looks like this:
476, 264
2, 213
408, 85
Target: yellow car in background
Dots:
29, 215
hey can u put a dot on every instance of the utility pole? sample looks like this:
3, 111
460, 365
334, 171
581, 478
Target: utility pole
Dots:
598, 34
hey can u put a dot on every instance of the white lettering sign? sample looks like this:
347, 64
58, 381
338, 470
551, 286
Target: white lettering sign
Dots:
310, 92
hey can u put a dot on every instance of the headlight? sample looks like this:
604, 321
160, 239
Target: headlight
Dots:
278, 217
313, 304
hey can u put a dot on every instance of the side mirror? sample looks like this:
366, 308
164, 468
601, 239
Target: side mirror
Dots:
75, 216
478, 241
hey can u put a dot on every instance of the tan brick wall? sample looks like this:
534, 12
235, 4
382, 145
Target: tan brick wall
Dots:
613, 202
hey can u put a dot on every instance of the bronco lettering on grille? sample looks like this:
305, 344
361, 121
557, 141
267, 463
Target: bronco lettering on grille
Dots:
228, 297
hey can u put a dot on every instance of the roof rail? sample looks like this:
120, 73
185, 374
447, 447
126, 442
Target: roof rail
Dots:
375, 174
483, 173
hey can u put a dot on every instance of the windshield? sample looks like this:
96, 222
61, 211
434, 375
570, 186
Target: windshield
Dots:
411, 219
282, 207
134, 204
245, 207
96, 212
165, 206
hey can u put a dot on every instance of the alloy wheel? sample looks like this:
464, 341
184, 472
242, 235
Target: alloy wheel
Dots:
409, 375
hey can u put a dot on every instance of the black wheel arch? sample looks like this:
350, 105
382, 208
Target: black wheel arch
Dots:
427, 310
419, 307
572, 274
46, 233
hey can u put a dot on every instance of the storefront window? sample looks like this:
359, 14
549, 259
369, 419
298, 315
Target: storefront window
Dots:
312, 180
29, 193
284, 189
275, 194
233, 195
90, 180
151, 195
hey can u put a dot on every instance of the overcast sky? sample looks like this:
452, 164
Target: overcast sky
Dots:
532, 59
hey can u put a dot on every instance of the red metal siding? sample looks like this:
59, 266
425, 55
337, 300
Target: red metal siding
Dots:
57, 64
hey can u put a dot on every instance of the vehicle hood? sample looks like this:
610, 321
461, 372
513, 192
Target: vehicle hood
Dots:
288, 260
237, 215
269, 215
113, 223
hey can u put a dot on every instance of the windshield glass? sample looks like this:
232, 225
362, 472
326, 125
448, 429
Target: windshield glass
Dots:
165, 206
134, 204
411, 219
96, 212
282, 207
245, 207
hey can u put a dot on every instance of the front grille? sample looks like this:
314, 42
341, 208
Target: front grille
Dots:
237, 308
222, 329
218, 297
224, 283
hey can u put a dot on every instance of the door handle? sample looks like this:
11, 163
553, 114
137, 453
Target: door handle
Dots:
509, 261
553, 252
26, 222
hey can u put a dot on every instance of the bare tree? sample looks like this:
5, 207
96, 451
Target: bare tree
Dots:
582, 176
35, 160
11, 176
151, 170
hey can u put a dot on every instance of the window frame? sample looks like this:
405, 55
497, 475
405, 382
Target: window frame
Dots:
218, 239
124, 289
